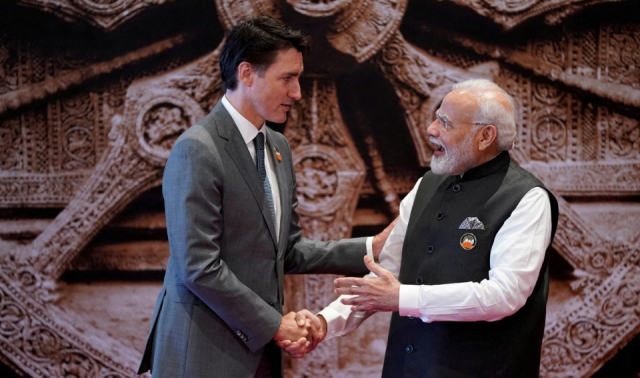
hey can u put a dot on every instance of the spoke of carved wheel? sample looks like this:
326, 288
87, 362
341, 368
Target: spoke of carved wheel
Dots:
157, 111
329, 173
616, 92
420, 83
590, 330
94, 12
39, 343
120, 176
510, 14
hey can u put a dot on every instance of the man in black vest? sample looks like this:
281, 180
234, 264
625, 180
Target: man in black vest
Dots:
464, 269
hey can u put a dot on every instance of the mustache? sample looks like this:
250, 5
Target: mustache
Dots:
435, 142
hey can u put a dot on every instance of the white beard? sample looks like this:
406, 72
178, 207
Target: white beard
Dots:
456, 160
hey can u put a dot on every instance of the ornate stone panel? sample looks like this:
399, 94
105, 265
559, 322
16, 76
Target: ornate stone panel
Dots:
90, 136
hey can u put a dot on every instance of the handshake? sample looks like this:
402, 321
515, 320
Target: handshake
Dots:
300, 332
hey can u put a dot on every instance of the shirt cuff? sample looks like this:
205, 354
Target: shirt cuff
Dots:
332, 317
369, 244
409, 301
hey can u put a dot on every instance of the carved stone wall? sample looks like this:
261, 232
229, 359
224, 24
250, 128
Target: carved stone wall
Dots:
94, 93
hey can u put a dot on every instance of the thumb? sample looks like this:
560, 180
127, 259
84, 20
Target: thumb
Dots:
373, 267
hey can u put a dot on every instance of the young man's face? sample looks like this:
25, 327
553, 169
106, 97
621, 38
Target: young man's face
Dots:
274, 90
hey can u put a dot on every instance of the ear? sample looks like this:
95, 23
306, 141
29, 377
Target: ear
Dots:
487, 136
245, 73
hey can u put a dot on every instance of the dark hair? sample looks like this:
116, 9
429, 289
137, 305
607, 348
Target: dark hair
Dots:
257, 41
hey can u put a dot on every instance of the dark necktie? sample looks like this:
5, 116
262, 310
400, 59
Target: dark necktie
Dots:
262, 172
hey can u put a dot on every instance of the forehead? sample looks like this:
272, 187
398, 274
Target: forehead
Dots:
458, 103
287, 61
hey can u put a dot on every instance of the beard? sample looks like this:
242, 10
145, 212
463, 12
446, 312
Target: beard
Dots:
456, 160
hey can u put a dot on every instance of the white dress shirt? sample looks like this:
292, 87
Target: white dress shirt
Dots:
249, 132
516, 257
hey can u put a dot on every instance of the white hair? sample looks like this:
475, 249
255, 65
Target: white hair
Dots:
495, 107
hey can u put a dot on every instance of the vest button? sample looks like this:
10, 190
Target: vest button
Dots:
430, 249
419, 281
456, 188
409, 349
440, 216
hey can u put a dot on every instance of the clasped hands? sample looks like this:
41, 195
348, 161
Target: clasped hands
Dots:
300, 332
304, 331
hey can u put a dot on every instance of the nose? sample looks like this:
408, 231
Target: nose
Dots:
295, 92
433, 129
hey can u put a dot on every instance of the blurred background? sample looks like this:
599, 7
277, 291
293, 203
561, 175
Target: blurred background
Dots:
93, 93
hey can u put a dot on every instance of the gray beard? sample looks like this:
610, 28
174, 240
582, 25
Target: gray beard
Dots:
454, 158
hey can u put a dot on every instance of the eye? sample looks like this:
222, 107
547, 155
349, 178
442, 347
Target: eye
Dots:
443, 121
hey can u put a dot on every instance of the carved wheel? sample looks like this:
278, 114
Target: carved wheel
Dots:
91, 103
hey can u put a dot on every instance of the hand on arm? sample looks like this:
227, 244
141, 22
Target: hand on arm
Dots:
381, 238
380, 293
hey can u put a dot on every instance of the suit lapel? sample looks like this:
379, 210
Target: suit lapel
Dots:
237, 150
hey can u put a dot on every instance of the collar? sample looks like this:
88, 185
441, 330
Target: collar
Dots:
246, 128
499, 161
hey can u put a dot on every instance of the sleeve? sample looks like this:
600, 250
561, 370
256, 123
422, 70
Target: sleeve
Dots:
516, 258
193, 188
308, 256
340, 319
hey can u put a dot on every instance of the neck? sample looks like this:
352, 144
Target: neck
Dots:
239, 101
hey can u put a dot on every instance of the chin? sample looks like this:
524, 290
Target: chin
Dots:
279, 119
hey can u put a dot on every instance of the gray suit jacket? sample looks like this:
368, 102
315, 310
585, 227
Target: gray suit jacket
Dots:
221, 301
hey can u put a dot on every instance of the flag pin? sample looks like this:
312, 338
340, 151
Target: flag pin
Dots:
278, 156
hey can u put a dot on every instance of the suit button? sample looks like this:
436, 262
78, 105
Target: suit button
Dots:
440, 216
411, 317
430, 249
409, 349
419, 281
272, 304
456, 188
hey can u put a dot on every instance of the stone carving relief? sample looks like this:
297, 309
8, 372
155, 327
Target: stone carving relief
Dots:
91, 136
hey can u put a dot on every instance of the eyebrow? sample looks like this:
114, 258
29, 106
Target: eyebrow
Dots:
442, 116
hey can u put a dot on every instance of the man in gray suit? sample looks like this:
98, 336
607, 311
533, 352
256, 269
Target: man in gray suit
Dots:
230, 198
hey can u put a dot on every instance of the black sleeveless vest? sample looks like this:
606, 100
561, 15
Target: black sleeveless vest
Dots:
433, 254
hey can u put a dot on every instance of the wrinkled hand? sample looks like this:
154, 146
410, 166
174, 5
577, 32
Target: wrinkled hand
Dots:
317, 328
290, 331
381, 238
380, 293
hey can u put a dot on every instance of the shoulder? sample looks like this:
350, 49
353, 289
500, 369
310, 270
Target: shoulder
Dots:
517, 173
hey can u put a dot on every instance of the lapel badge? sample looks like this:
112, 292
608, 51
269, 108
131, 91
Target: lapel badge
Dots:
278, 156
468, 241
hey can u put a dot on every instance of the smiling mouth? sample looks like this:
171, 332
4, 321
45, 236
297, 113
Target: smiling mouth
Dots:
435, 146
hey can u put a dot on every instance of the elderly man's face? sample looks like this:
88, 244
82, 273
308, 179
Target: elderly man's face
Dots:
454, 145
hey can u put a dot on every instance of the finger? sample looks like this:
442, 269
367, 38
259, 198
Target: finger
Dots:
363, 308
352, 290
301, 316
299, 346
355, 301
296, 348
283, 343
348, 281
315, 322
375, 268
